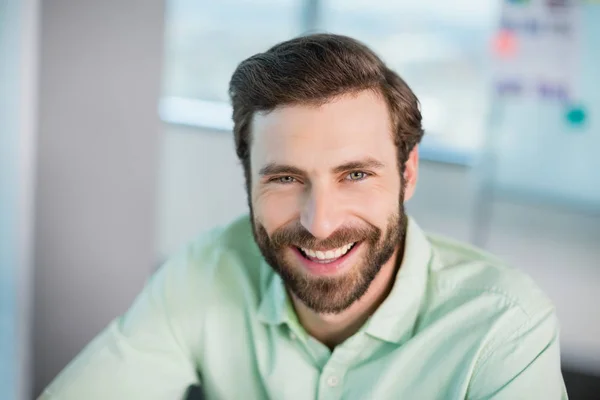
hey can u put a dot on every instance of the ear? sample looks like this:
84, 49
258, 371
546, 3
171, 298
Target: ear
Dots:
411, 173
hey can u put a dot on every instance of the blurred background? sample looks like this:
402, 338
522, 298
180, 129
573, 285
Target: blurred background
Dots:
116, 148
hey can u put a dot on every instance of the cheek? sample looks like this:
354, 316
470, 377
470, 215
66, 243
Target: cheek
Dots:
275, 208
376, 208
376, 198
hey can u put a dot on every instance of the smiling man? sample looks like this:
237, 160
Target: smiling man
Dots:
328, 290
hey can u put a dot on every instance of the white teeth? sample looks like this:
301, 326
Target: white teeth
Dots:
329, 254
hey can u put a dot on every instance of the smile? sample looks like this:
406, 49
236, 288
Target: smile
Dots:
326, 256
327, 261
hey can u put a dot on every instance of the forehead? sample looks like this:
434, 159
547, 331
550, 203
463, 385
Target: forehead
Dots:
346, 128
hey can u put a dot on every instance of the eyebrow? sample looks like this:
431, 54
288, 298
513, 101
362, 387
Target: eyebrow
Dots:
280, 169
367, 163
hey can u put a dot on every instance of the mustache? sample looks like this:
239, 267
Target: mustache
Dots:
297, 235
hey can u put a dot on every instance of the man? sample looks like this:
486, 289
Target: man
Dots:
328, 290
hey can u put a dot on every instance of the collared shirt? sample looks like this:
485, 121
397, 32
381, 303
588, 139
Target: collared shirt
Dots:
457, 324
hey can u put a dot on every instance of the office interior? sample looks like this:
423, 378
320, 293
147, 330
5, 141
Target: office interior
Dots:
116, 149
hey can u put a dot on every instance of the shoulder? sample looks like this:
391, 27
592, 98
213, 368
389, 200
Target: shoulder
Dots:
232, 240
459, 270
478, 298
219, 261
482, 298
507, 324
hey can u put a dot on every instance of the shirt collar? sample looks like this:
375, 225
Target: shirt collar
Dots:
272, 309
276, 306
396, 316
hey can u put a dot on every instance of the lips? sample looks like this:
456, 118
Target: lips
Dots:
327, 265
326, 256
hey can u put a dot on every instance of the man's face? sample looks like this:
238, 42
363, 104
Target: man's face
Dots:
326, 197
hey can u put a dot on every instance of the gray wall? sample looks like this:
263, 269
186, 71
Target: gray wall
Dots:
8, 200
99, 83
18, 50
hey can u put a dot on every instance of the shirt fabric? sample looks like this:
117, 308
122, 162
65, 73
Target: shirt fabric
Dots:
457, 324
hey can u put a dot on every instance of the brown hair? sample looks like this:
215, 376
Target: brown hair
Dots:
312, 70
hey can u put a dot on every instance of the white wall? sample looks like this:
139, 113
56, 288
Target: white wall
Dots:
99, 84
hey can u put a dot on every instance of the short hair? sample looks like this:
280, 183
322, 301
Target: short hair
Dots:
312, 70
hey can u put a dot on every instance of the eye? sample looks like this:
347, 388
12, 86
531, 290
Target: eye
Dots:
356, 176
284, 179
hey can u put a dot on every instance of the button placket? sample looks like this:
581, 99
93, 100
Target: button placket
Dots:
332, 375
331, 386
333, 381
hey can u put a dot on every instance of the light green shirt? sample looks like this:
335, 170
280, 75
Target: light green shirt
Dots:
457, 324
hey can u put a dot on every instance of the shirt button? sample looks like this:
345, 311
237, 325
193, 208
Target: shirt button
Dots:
293, 336
333, 381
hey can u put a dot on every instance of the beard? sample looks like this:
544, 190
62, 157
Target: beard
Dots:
330, 294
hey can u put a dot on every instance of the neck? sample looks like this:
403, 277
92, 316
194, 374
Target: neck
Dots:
333, 329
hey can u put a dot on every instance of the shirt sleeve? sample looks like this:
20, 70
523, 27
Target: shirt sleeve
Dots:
524, 364
146, 353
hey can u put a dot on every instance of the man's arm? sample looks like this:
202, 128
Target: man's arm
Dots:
523, 365
144, 354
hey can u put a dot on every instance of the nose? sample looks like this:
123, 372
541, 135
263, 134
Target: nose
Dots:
321, 214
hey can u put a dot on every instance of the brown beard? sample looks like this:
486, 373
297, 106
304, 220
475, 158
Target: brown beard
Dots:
331, 295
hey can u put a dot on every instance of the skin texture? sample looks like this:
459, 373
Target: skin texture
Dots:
322, 177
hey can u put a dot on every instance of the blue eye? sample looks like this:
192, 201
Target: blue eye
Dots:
356, 176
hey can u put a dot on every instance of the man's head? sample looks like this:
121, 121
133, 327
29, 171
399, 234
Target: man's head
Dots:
327, 137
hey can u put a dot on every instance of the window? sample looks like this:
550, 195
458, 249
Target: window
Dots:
440, 49
206, 40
